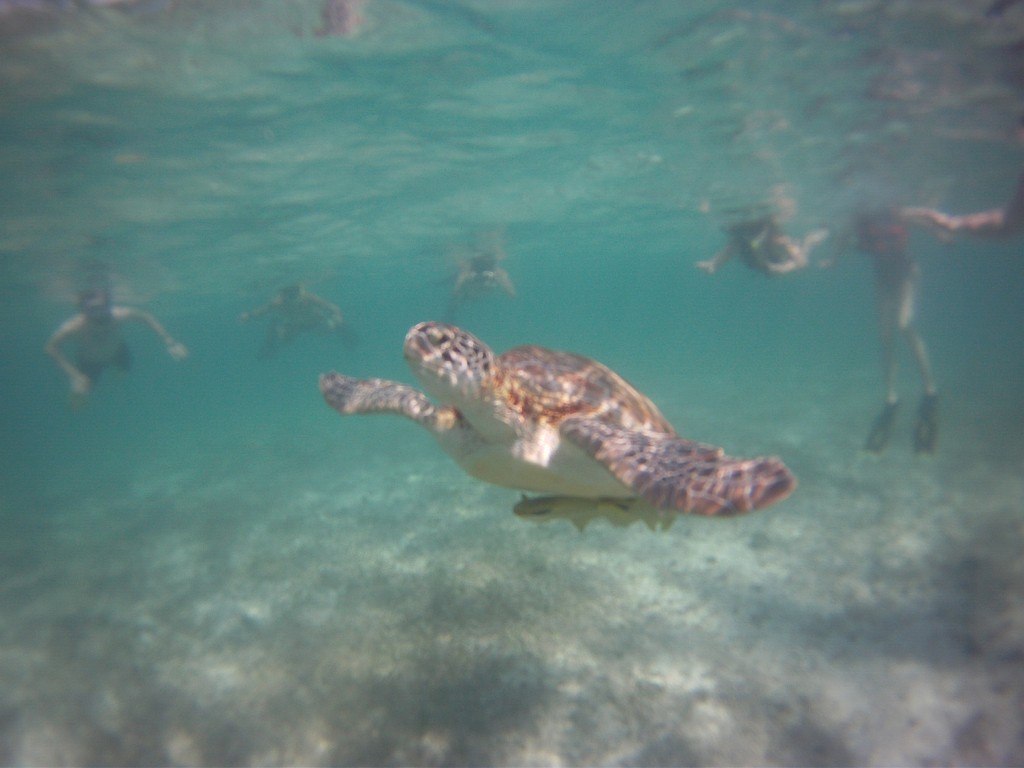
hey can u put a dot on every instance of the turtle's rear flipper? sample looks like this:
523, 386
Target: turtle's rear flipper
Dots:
926, 430
676, 474
881, 429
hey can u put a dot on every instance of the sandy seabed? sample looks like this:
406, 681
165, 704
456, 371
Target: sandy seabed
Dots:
265, 608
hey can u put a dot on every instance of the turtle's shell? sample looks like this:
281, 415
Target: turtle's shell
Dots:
545, 386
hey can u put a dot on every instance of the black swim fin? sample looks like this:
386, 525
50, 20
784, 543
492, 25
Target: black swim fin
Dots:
881, 429
926, 430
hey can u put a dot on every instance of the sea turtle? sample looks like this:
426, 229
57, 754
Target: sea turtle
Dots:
559, 423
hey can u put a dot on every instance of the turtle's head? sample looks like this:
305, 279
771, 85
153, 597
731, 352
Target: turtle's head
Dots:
451, 364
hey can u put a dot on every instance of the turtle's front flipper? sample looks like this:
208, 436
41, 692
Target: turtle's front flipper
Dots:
347, 395
676, 474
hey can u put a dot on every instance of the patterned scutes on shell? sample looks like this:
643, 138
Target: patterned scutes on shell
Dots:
548, 386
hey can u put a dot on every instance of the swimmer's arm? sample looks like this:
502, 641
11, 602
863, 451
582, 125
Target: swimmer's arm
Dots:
992, 223
506, 283
176, 350
814, 239
939, 223
320, 302
711, 265
260, 311
67, 329
801, 252
982, 224
464, 276
333, 312
797, 258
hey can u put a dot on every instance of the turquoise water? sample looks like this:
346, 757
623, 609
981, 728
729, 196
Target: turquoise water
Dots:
206, 565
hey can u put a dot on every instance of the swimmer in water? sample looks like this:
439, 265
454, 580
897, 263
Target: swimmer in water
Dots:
763, 246
293, 311
480, 273
96, 330
882, 235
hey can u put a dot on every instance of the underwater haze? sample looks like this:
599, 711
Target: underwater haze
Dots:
206, 565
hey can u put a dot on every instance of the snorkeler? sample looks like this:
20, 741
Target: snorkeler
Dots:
764, 247
480, 274
292, 311
96, 329
882, 235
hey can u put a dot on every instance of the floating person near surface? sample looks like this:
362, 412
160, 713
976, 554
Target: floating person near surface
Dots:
293, 311
762, 245
340, 18
557, 423
480, 273
882, 235
96, 330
